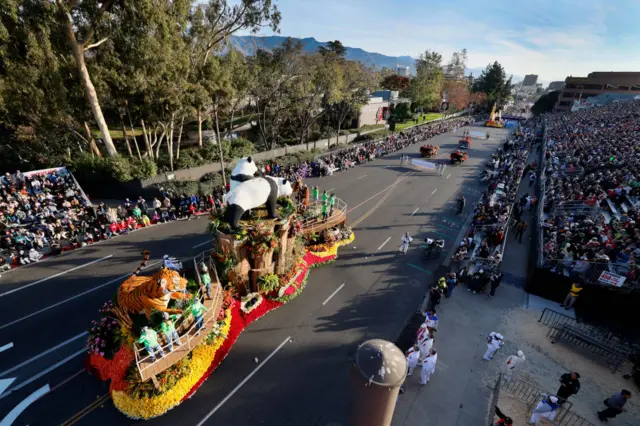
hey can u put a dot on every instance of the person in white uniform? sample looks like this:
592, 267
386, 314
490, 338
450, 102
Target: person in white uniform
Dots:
514, 362
546, 409
425, 343
413, 355
494, 341
428, 367
406, 240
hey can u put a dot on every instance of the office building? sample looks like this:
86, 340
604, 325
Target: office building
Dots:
530, 80
596, 83
555, 85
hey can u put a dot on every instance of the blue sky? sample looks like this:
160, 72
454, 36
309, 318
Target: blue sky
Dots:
551, 38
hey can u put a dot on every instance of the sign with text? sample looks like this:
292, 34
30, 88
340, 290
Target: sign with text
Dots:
423, 164
612, 279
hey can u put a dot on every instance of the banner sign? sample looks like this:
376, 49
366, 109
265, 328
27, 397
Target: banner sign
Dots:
60, 170
612, 279
423, 164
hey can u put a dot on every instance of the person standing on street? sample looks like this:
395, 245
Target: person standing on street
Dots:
572, 296
406, 240
451, 282
546, 409
460, 204
413, 355
615, 405
495, 280
521, 227
569, 385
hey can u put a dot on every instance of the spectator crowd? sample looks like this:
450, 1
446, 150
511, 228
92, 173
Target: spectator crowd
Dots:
47, 213
591, 219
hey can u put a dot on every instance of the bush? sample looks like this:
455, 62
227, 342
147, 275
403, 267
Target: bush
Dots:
91, 168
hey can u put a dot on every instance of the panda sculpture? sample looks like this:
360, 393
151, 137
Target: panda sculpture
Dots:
244, 170
254, 193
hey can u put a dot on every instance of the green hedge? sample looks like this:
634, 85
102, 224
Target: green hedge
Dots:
122, 169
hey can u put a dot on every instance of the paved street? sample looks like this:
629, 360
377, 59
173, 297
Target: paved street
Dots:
47, 307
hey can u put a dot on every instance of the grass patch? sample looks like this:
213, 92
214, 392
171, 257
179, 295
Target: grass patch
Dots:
428, 117
367, 127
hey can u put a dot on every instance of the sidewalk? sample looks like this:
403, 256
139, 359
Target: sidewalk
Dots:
460, 390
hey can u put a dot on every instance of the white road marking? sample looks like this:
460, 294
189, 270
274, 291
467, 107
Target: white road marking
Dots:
44, 372
242, 383
201, 244
18, 409
55, 276
5, 383
449, 175
4, 348
434, 191
362, 176
40, 355
330, 189
333, 294
72, 298
382, 245
414, 212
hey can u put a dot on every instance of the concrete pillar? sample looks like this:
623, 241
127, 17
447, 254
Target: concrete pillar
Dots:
378, 370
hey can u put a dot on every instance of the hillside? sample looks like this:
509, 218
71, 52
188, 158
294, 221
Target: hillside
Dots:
247, 45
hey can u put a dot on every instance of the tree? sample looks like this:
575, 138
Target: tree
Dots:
494, 82
354, 83
457, 92
396, 82
80, 19
426, 86
457, 65
333, 47
478, 98
545, 103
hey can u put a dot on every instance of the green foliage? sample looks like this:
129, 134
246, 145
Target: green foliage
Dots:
396, 82
402, 113
88, 167
268, 283
494, 82
545, 103
426, 86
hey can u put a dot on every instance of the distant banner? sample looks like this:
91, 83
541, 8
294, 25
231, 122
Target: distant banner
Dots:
60, 170
612, 279
423, 164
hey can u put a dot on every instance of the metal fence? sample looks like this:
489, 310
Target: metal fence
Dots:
532, 395
494, 402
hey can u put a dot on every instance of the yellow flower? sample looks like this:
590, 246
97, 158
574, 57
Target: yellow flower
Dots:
201, 358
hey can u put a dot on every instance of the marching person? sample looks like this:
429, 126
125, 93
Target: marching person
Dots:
206, 279
546, 409
435, 295
615, 405
431, 320
425, 343
413, 355
149, 338
569, 385
428, 367
514, 361
169, 329
494, 341
406, 240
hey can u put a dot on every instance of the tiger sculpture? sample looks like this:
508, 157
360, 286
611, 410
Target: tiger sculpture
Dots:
143, 294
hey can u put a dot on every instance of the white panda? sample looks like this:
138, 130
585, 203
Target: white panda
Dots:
244, 170
254, 193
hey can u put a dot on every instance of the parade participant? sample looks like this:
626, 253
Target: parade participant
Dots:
431, 320
316, 195
325, 197
325, 211
615, 405
169, 329
546, 409
413, 355
428, 367
406, 240
503, 420
149, 338
451, 282
198, 310
425, 343
206, 280
171, 263
332, 204
569, 385
514, 361
435, 295
494, 341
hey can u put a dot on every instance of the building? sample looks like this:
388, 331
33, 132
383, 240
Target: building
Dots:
596, 83
530, 80
555, 85
401, 70
373, 111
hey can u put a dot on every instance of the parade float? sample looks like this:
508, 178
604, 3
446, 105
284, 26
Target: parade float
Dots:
495, 119
259, 261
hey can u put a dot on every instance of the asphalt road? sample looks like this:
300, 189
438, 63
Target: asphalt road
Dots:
47, 307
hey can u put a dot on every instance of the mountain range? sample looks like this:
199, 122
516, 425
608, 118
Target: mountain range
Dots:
247, 45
